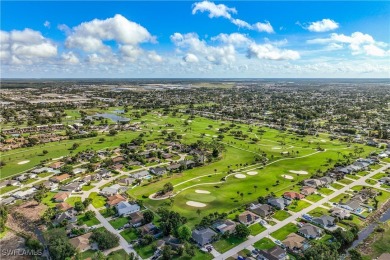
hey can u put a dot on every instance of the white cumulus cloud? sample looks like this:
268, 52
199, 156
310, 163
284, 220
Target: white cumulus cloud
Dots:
190, 58
263, 27
323, 26
270, 52
25, 47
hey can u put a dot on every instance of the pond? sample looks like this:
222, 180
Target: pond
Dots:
113, 117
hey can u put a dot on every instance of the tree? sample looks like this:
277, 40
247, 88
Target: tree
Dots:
90, 214
39, 195
33, 244
75, 146
321, 252
241, 231
198, 211
167, 253
148, 217
355, 255
44, 152
79, 206
112, 132
58, 244
104, 239
184, 233
87, 202
3, 217
66, 169
99, 255
255, 187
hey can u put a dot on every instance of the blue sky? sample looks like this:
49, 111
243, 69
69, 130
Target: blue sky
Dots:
195, 39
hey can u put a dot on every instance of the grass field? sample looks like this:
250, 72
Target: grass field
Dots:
48, 199
72, 200
98, 201
337, 186
314, 197
256, 229
325, 191
281, 215
298, 205
87, 187
89, 222
119, 222
318, 212
118, 255
129, 234
283, 232
224, 245
264, 244
341, 198
345, 181
145, 252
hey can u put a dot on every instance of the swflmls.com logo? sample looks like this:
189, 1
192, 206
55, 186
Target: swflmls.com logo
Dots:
12, 252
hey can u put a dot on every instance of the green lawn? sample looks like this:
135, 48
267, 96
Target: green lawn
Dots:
352, 176
314, 197
145, 252
224, 245
341, 198
48, 199
318, 212
87, 254
98, 201
199, 255
129, 234
337, 186
281, 215
105, 214
298, 205
264, 244
325, 191
256, 229
119, 222
283, 232
87, 187
90, 222
345, 181
118, 255
72, 200
371, 181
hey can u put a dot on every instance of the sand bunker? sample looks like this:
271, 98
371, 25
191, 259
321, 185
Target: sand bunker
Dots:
251, 173
23, 162
202, 191
207, 135
288, 177
322, 140
215, 135
195, 204
240, 176
276, 148
299, 172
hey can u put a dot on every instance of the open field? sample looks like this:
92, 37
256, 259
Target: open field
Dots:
283, 232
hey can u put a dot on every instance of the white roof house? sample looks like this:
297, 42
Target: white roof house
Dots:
24, 194
124, 208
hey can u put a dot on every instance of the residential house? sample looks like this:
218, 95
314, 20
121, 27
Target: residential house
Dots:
351, 205
118, 159
124, 208
309, 231
24, 194
48, 185
279, 203
149, 229
308, 190
188, 163
291, 195
79, 170
9, 183
275, 253
69, 216
294, 242
173, 167
115, 199
60, 178
104, 173
126, 181
385, 180
203, 236
56, 165
223, 226
314, 183
63, 206
158, 170
325, 221
174, 242
262, 210
136, 218
81, 243
71, 187
112, 190
141, 175
339, 213
247, 218
61, 196
7, 201
326, 181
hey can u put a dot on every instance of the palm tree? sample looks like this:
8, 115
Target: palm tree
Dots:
198, 212
255, 187
242, 195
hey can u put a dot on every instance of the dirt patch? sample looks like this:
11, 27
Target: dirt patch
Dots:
12, 242
195, 204
240, 176
202, 191
23, 162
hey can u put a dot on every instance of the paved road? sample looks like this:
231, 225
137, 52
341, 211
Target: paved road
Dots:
265, 233
124, 244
